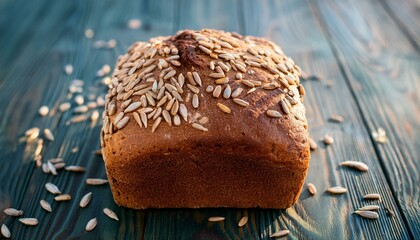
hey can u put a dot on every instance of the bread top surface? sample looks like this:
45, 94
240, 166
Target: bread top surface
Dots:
205, 88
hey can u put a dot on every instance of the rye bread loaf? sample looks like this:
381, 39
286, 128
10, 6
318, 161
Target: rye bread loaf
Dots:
205, 119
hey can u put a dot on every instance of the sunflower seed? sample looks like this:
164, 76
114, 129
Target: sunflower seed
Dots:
75, 169
63, 197
312, 188
284, 106
85, 200
64, 107
280, 233
199, 127
195, 101
241, 102
79, 99
209, 89
372, 196
328, 140
227, 92
273, 113
45, 168
337, 190
156, 124
52, 188
81, 109
222, 80
183, 111
357, 165
96, 181
237, 92
68, 69
52, 168
45, 205
369, 208
243, 221
5, 231
13, 212
177, 120
56, 160
224, 108
379, 135
43, 111
32, 133
132, 107
336, 118
217, 91
312, 144
197, 78
367, 214
29, 221
110, 214
91, 224
216, 219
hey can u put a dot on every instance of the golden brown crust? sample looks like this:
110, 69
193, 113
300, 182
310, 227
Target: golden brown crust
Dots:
228, 153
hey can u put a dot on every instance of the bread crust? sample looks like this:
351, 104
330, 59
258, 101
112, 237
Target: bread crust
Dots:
242, 159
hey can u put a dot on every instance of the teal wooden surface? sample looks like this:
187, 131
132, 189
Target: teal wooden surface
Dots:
364, 52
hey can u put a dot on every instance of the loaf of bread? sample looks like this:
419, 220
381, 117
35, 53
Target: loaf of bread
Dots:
205, 119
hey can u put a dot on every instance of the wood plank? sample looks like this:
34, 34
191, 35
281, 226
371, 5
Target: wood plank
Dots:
36, 78
294, 25
407, 18
384, 77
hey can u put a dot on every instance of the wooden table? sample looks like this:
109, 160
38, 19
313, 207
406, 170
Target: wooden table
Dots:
365, 55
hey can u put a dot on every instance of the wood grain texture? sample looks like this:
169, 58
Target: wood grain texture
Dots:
373, 64
407, 17
300, 34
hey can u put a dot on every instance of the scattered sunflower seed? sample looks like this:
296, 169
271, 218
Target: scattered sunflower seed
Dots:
52, 168
45, 205
91, 224
64, 107
336, 118
75, 169
372, 196
328, 140
134, 24
110, 214
280, 233
216, 219
48, 134
367, 214
13, 212
337, 190
52, 188
29, 221
369, 208
85, 200
68, 69
5, 231
313, 144
63, 197
224, 108
96, 181
379, 135
311, 188
243, 221
357, 165
43, 111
